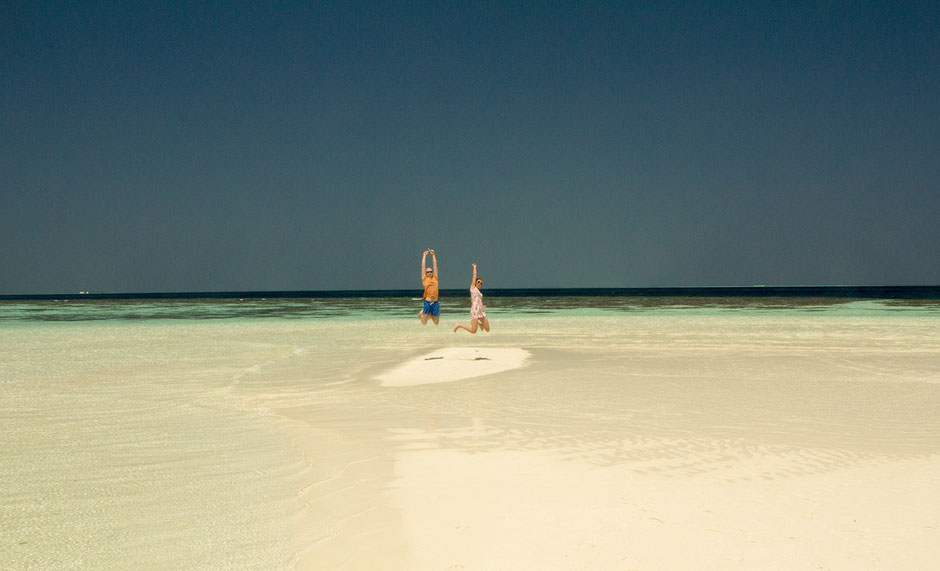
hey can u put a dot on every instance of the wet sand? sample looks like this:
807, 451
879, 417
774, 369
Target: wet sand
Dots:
680, 444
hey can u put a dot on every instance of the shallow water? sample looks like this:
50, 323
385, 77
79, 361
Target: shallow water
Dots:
252, 434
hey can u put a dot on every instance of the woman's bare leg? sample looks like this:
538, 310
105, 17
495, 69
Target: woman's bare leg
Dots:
485, 323
471, 329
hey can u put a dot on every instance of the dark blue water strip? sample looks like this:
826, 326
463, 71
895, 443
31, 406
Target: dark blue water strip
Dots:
927, 292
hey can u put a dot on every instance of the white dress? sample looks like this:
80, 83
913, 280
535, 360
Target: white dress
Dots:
476, 304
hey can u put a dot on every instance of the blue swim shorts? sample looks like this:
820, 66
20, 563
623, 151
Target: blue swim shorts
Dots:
432, 307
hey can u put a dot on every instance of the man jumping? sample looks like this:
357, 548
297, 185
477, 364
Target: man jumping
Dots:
429, 281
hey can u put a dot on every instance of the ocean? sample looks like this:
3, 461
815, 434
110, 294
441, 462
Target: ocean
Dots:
399, 303
246, 430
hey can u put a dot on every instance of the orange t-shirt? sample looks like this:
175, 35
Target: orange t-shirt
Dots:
430, 287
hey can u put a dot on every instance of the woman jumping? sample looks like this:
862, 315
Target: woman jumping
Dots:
477, 313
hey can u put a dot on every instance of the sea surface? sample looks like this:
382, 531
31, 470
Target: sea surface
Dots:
245, 430
371, 304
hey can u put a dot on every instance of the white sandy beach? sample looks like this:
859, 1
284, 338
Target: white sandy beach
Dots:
452, 364
776, 445
669, 503
660, 440
538, 510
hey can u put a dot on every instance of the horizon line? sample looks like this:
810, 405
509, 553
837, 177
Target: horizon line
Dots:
301, 292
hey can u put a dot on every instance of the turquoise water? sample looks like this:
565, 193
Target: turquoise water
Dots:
48, 310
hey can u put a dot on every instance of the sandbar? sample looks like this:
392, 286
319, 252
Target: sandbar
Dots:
453, 364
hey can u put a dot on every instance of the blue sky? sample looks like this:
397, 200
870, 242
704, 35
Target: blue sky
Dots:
291, 145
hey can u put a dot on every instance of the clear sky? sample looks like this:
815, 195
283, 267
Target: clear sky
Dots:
218, 146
